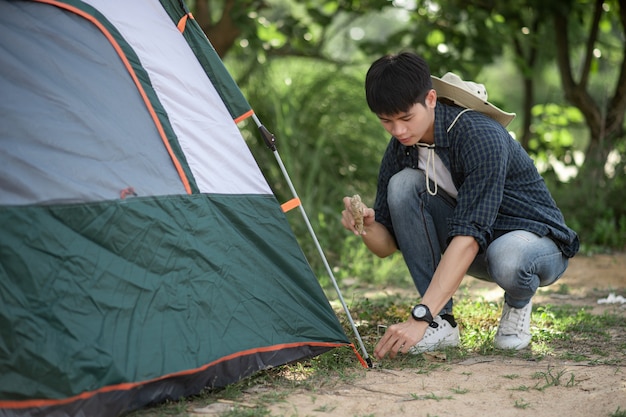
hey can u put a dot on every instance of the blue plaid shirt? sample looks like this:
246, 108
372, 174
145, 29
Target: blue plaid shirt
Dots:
499, 188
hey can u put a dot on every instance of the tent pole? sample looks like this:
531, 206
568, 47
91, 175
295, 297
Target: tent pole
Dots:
270, 141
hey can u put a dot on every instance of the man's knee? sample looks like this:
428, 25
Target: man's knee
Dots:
508, 260
405, 186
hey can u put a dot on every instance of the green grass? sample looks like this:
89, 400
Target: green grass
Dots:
459, 390
520, 388
618, 413
521, 404
430, 396
247, 412
553, 378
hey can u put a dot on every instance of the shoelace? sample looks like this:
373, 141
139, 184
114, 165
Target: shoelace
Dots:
513, 321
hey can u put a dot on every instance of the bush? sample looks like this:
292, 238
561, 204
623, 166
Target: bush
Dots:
596, 211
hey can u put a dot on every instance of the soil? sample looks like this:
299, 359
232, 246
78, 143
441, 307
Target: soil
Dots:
493, 385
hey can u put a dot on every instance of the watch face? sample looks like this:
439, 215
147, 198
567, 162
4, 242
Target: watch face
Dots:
419, 311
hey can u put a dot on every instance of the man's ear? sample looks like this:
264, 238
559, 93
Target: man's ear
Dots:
431, 99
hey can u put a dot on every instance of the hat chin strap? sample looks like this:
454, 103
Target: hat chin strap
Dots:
456, 119
430, 162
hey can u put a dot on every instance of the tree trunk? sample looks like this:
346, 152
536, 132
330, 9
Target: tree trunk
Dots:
526, 64
604, 121
529, 99
222, 33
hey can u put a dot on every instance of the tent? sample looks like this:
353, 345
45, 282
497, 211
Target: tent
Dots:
143, 256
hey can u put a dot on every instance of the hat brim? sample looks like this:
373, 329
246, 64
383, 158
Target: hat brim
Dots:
466, 99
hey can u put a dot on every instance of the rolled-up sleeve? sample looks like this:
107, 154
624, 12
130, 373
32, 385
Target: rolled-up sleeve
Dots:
481, 160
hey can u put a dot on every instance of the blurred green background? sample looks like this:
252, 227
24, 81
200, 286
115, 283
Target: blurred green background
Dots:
559, 64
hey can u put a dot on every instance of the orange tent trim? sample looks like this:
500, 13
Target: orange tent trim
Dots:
131, 385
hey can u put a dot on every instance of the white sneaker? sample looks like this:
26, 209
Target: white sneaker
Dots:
444, 335
514, 329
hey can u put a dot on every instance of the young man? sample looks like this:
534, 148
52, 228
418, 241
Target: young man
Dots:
456, 195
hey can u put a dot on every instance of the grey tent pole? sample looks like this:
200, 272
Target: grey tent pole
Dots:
270, 141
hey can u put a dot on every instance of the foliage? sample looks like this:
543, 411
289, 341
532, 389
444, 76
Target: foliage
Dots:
593, 208
328, 139
302, 64
555, 132
357, 266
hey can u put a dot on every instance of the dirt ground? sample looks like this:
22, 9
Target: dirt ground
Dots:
494, 385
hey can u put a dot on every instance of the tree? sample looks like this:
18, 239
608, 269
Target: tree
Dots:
604, 115
463, 36
223, 21
284, 27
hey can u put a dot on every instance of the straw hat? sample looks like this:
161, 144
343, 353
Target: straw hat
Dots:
469, 95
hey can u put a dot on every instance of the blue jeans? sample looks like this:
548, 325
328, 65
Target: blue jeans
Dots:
518, 261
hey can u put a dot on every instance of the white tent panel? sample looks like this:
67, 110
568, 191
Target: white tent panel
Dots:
200, 119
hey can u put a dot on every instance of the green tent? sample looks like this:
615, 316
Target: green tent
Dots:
143, 256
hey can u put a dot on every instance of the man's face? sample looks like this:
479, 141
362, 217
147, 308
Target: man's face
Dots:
415, 125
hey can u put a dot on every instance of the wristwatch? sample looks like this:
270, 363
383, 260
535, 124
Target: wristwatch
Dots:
421, 312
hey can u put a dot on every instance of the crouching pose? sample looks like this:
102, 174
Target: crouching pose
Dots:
456, 195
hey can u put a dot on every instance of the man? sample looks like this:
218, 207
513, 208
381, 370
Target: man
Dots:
456, 195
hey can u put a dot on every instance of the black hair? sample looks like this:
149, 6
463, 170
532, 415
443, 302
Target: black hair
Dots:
395, 82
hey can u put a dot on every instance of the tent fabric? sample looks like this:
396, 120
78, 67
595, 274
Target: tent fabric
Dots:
100, 310
230, 93
45, 81
186, 92
143, 256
